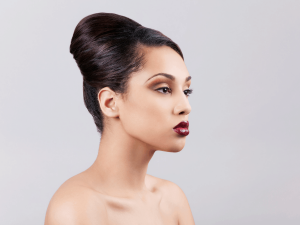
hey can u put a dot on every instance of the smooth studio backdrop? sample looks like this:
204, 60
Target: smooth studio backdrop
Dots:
241, 162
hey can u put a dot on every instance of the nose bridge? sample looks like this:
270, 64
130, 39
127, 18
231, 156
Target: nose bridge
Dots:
182, 105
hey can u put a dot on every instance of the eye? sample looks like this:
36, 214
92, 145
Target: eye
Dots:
164, 90
187, 92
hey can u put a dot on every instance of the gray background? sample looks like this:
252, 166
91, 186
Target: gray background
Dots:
241, 161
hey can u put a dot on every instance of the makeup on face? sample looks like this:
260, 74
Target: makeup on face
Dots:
160, 83
182, 128
163, 80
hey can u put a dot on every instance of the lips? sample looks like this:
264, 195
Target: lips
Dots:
182, 128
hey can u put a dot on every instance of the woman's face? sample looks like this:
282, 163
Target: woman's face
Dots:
155, 104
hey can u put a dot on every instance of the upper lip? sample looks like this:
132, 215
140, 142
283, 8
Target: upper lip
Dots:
182, 124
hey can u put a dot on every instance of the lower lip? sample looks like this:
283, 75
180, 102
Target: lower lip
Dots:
182, 131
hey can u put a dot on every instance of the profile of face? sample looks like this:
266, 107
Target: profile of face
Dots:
155, 103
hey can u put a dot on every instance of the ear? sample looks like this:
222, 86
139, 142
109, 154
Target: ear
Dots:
107, 101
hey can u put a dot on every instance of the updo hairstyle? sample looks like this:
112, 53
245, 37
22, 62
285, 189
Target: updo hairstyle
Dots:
107, 49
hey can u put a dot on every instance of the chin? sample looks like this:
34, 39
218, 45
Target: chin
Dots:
175, 150
166, 143
174, 147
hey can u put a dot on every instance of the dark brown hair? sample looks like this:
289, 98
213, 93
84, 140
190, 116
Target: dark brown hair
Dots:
107, 49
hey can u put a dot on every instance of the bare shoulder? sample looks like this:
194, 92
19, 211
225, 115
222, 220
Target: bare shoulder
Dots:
173, 198
74, 203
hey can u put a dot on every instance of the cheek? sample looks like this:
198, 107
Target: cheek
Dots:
143, 116
151, 121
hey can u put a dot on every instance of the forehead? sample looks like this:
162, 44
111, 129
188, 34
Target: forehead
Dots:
161, 60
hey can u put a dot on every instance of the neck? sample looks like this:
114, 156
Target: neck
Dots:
121, 164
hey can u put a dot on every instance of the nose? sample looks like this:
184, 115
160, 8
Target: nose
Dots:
182, 106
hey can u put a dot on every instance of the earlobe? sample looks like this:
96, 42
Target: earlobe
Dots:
107, 102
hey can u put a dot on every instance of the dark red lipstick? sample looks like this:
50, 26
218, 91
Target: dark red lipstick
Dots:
182, 128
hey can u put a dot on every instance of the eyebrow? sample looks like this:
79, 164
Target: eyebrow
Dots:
169, 76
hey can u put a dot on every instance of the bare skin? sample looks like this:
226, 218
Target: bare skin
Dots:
116, 189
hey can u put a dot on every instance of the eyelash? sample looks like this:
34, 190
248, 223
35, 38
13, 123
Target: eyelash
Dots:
188, 91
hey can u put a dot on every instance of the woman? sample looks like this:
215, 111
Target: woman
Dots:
136, 86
